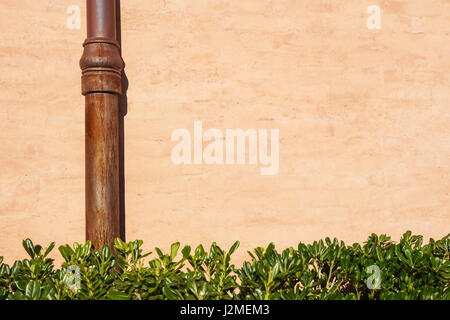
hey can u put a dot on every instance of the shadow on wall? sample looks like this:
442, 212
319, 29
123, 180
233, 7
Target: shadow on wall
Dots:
123, 110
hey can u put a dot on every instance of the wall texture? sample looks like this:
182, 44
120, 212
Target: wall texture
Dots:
363, 116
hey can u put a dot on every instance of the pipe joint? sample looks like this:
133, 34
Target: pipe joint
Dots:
101, 66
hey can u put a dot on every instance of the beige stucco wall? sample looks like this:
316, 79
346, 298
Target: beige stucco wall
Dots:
363, 118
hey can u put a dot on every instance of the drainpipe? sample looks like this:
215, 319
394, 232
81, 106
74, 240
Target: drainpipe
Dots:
101, 66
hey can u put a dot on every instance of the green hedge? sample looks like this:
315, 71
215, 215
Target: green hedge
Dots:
326, 269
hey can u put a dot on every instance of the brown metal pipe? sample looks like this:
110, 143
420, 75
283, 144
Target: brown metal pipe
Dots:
101, 19
101, 66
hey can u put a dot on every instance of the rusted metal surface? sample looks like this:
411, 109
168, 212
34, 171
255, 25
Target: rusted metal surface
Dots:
102, 66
